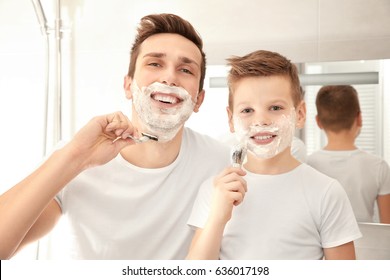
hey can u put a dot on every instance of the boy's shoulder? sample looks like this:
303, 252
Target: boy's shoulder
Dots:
310, 174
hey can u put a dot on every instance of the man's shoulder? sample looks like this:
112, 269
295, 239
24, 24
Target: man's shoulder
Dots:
205, 142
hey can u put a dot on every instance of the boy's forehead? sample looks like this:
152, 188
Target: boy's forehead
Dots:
269, 87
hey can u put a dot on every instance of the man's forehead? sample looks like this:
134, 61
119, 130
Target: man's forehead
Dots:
170, 45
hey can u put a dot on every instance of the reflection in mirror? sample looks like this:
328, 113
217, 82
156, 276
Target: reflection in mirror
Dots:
369, 80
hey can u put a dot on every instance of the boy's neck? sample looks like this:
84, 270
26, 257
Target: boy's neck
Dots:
281, 163
341, 141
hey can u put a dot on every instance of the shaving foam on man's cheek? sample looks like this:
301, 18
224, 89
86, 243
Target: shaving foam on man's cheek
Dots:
162, 122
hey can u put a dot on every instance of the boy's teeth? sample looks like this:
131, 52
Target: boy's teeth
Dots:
265, 137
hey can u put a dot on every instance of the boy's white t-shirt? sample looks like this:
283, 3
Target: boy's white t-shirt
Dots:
121, 211
364, 176
288, 216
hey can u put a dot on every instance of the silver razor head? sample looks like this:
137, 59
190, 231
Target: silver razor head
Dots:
144, 138
238, 155
151, 137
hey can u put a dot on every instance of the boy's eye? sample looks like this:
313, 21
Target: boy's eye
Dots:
247, 110
275, 108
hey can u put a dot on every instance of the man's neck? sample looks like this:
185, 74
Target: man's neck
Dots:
153, 154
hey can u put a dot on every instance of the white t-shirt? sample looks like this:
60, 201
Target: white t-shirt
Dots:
288, 216
121, 211
364, 176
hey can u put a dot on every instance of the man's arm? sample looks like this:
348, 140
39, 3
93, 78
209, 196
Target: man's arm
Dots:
27, 210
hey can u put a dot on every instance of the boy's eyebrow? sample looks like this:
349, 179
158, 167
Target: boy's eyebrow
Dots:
184, 59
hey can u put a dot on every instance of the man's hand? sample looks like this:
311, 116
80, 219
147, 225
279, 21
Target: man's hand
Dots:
101, 139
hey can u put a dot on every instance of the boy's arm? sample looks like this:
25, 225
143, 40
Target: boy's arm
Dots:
384, 208
342, 252
27, 210
229, 190
206, 243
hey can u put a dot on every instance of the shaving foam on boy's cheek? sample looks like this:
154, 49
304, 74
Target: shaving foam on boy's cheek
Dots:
240, 131
162, 122
284, 128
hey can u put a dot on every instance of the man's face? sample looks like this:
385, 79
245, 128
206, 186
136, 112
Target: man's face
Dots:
165, 87
263, 115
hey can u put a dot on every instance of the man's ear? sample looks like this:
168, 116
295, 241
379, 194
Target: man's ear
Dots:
230, 119
126, 86
301, 114
199, 100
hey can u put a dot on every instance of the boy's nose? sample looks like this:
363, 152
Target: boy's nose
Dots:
262, 119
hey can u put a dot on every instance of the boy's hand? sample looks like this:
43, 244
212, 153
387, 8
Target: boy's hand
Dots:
101, 139
229, 191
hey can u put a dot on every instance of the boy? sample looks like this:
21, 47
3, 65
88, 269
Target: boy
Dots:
290, 210
135, 202
365, 177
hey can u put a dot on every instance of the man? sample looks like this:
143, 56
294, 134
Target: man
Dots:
127, 199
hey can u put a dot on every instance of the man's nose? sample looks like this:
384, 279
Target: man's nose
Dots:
169, 77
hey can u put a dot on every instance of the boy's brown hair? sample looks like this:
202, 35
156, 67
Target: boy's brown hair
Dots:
337, 107
166, 23
263, 63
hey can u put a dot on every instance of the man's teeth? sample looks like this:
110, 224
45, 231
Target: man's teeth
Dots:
166, 99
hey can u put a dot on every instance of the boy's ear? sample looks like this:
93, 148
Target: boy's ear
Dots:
199, 100
126, 86
230, 119
319, 122
301, 114
359, 119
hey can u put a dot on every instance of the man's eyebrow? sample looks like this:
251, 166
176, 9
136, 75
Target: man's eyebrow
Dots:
155, 54
189, 61
183, 59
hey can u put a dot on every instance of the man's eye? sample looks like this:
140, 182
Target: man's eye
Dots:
155, 64
186, 71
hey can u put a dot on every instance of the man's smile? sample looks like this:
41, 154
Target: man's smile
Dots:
166, 98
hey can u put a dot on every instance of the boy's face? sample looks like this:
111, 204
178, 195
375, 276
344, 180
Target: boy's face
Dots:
263, 116
165, 86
